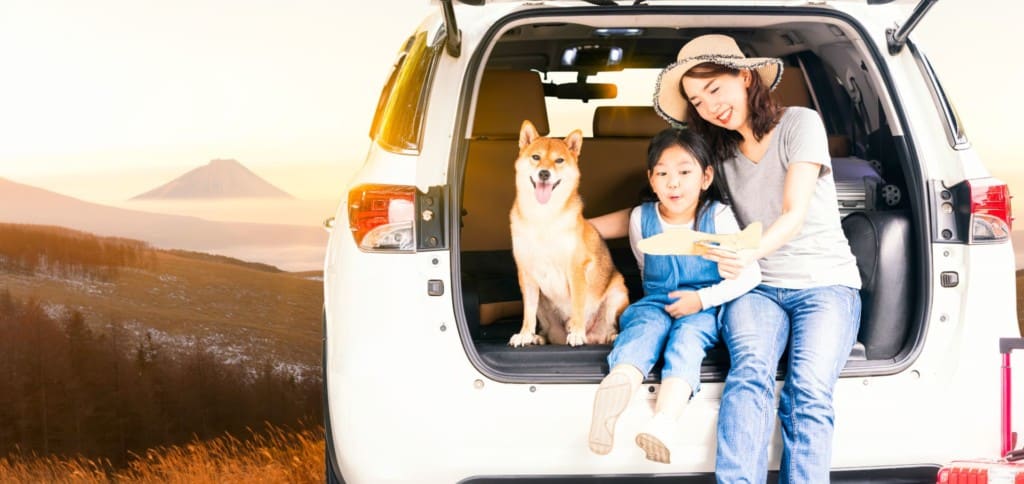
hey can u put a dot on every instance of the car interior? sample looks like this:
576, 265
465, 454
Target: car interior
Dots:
825, 70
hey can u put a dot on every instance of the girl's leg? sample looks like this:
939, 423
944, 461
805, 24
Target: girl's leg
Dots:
825, 321
673, 396
644, 327
613, 395
688, 342
656, 435
755, 330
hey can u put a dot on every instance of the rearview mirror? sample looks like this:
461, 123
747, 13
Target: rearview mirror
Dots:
584, 91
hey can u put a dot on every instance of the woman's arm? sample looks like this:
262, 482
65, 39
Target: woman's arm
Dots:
801, 178
612, 225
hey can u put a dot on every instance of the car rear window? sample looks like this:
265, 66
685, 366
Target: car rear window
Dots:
635, 88
396, 124
954, 129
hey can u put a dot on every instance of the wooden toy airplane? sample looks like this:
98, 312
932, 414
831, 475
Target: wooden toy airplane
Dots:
691, 242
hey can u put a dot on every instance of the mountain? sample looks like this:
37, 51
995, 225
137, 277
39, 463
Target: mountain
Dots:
218, 179
25, 204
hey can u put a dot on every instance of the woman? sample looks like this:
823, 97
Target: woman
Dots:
774, 167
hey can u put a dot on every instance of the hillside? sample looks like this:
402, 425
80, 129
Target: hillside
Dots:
244, 311
222, 178
25, 204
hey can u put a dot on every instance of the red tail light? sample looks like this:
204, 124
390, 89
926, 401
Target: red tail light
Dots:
381, 217
991, 215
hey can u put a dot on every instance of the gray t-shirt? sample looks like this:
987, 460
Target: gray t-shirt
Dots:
820, 254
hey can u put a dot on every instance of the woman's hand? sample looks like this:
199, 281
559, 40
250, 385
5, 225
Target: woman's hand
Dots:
688, 303
730, 262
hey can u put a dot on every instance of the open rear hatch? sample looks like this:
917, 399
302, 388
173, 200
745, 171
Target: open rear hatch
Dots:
526, 55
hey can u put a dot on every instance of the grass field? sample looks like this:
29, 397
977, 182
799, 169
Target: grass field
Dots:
269, 455
244, 312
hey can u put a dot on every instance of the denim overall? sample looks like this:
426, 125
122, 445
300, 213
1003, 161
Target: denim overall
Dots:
647, 331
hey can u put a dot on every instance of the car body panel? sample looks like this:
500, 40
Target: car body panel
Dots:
408, 403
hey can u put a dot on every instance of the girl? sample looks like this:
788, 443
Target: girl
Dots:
676, 318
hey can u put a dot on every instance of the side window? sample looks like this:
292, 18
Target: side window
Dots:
396, 124
954, 130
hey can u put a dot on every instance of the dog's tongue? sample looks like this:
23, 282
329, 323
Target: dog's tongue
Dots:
543, 192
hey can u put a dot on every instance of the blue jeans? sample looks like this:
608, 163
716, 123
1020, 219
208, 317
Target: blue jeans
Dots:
647, 332
820, 324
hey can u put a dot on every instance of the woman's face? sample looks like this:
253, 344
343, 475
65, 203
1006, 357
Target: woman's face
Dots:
721, 100
678, 180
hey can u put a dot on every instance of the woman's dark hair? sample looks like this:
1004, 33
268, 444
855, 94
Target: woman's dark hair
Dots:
765, 113
698, 148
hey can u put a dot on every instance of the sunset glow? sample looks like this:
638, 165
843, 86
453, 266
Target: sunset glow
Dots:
111, 98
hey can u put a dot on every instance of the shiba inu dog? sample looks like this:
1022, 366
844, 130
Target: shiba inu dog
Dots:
566, 275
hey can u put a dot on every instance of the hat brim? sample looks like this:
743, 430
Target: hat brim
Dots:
669, 103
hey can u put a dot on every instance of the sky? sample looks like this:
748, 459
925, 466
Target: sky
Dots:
129, 94
108, 98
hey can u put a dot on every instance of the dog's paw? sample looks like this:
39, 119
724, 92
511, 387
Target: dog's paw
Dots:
525, 339
576, 338
611, 338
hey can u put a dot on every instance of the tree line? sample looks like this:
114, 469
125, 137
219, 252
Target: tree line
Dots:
65, 252
66, 389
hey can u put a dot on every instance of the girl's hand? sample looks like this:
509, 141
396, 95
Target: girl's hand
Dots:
688, 303
730, 263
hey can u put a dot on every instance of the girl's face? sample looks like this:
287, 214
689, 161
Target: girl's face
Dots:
678, 181
721, 100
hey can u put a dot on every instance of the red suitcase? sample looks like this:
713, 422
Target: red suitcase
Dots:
1010, 467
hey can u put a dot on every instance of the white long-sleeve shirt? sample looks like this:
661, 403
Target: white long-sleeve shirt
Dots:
725, 223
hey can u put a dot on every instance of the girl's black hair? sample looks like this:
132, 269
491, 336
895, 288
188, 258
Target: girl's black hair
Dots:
698, 148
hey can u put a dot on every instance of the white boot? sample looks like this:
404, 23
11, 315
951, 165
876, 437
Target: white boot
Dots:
613, 395
660, 431
655, 437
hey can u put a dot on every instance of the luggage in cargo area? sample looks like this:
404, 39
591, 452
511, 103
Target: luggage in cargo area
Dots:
858, 184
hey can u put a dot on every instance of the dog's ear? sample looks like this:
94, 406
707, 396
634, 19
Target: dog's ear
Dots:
575, 141
527, 133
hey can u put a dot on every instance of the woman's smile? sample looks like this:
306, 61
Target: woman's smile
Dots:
725, 116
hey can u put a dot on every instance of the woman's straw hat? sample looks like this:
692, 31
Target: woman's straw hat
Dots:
714, 48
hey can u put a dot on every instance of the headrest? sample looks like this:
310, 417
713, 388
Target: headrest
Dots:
838, 145
635, 121
505, 99
792, 89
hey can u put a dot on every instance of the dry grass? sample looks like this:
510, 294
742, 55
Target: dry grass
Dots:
52, 469
272, 455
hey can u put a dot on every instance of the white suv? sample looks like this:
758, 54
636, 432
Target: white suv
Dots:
421, 294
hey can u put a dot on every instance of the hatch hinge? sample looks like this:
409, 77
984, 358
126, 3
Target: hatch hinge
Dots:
897, 36
453, 36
